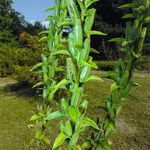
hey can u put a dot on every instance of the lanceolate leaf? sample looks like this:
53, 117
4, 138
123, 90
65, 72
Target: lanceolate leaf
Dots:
96, 33
91, 64
89, 2
59, 140
129, 5
68, 128
92, 50
67, 22
62, 52
81, 4
147, 19
73, 9
54, 115
89, 123
128, 16
94, 78
50, 9
118, 40
74, 113
74, 139
89, 20
37, 66
76, 95
43, 38
60, 84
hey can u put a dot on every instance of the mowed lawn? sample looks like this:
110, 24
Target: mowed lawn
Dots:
16, 108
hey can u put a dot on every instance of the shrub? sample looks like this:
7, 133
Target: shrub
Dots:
8, 58
23, 75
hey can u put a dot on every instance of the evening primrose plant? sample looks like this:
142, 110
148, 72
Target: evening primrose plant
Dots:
48, 69
77, 18
72, 114
131, 49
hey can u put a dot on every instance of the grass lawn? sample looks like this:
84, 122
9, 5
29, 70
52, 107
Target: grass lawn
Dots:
16, 107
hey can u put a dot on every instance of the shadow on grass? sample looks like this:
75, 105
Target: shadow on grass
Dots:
23, 89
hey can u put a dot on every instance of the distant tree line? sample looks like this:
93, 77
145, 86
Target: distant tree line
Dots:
109, 20
19, 41
12, 23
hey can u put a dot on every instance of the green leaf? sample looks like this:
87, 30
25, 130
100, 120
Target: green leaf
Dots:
62, 126
89, 20
92, 50
62, 52
54, 115
91, 64
118, 40
73, 10
52, 18
147, 19
75, 97
78, 33
87, 122
85, 73
50, 9
68, 128
81, 4
67, 21
38, 84
74, 139
89, 2
37, 66
96, 33
59, 140
92, 77
136, 55
118, 110
86, 145
56, 87
84, 104
128, 16
74, 113
129, 5
35, 117
84, 54
113, 87
45, 38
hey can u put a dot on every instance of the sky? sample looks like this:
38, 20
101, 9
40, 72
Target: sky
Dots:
33, 10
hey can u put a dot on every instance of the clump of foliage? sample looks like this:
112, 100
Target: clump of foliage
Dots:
19, 48
131, 48
71, 111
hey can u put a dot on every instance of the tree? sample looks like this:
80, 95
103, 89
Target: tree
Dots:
6, 22
19, 23
35, 28
109, 20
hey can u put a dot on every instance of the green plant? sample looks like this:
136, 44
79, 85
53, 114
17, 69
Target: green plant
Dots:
78, 66
49, 67
71, 111
131, 47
